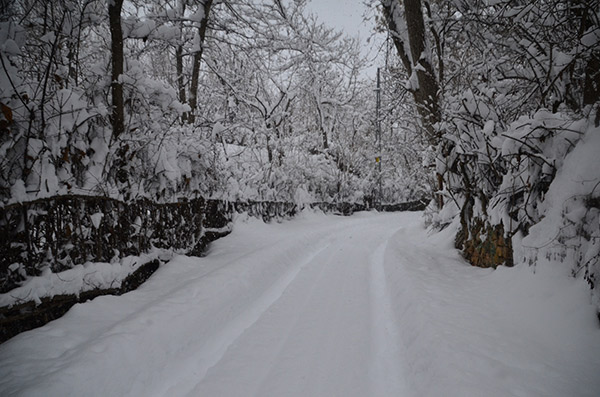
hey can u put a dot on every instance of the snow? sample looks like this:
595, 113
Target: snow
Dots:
10, 47
96, 219
577, 177
143, 28
591, 37
49, 37
80, 278
559, 236
198, 16
367, 305
18, 192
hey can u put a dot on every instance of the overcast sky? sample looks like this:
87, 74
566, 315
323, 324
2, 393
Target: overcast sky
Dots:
347, 15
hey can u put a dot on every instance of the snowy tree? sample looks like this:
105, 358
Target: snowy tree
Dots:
49, 97
518, 91
406, 23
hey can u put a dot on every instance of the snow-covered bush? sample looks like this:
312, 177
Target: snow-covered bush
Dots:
569, 229
519, 88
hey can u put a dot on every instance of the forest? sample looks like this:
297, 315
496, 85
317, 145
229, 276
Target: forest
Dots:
488, 110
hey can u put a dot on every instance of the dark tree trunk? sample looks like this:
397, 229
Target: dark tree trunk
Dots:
116, 35
390, 8
426, 95
591, 87
180, 82
206, 4
179, 65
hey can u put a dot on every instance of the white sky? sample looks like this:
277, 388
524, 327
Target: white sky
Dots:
345, 14
348, 15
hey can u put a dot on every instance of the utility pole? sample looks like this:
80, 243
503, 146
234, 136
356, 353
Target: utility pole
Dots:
379, 144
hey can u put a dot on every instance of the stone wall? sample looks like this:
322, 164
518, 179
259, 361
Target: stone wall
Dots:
61, 232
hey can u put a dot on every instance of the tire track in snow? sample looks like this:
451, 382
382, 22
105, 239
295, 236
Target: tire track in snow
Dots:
214, 348
317, 332
386, 373
262, 374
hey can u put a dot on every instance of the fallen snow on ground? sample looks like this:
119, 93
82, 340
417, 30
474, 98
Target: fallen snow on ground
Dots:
367, 305
81, 278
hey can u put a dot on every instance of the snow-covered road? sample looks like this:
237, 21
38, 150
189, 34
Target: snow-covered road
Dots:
367, 305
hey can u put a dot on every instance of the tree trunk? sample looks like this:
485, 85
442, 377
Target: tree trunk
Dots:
426, 95
179, 62
180, 82
591, 87
418, 61
206, 4
390, 12
116, 35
